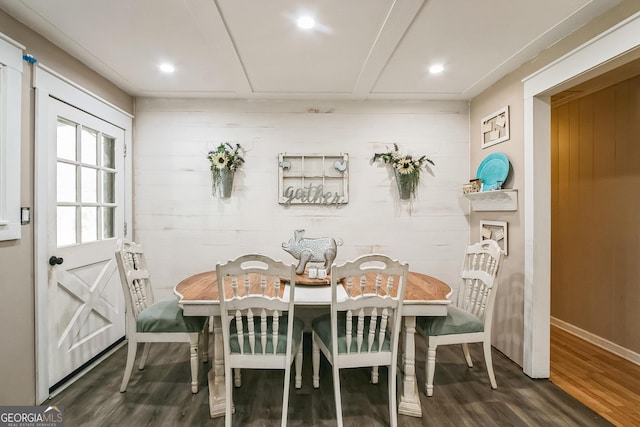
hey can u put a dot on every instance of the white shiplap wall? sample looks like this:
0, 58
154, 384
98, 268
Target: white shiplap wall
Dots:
184, 230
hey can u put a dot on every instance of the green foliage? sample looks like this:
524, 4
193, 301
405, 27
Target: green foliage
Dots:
225, 158
407, 168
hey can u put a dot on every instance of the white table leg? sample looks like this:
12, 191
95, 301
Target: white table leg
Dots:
409, 398
216, 374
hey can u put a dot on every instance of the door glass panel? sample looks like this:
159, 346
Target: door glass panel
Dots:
89, 146
87, 182
108, 187
108, 223
66, 223
108, 152
66, 138
89, 224
66, 182
89, 185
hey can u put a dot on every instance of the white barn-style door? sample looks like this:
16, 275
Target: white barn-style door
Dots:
85, 219
82, 205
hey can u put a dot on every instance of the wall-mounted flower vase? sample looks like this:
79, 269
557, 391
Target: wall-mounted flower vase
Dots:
406, 170
405, 185
224, 160
226, 183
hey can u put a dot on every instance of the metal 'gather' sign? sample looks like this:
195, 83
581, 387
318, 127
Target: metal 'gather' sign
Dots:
313, 179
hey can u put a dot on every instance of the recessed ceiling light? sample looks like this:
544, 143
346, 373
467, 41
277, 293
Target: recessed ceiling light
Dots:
436, 69
306, 22
167, 68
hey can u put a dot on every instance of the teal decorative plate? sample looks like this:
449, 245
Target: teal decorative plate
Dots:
493, 171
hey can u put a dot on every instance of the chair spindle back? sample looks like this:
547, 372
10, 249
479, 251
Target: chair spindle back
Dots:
478, 277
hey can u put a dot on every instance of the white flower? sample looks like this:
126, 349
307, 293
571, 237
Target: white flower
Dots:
220, 160
405, 165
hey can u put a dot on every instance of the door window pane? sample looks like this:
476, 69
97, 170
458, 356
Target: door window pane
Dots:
108, 223
66, 182
108, 187
89, 146
66, 140
89, 225
89, 185
66, 224
108, 152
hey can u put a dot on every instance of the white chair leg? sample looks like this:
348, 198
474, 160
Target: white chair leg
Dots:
237, 377
193, 351
145, 354
205, 342
298, 361
336, 393
132, 347
285, 395
375, 376
486, 345
393, 411
431, 367
467, 355
315, 356
228, 408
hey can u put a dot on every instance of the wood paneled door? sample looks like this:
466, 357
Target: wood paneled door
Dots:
85, 217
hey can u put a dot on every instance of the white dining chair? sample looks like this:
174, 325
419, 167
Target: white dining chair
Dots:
470, 316
259, 327
148, 320
362, 330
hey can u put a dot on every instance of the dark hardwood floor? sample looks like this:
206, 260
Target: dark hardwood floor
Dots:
160, 395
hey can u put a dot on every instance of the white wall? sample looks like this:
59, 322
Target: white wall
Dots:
185, 230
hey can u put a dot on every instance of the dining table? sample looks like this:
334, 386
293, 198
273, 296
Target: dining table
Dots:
424, 296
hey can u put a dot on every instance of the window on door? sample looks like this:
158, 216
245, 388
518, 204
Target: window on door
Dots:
86, 172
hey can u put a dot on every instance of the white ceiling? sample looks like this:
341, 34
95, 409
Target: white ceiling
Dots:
360, 49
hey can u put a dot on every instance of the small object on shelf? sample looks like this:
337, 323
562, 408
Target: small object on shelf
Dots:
493, 171
473, 186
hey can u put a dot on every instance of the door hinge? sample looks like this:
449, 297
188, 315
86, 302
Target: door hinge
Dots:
125, 150
125, 229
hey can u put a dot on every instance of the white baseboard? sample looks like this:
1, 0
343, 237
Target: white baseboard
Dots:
614, 348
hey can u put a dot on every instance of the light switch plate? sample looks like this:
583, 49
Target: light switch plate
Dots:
25, 216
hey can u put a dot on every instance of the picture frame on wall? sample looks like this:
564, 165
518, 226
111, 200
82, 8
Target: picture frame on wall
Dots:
495, 127
496, 230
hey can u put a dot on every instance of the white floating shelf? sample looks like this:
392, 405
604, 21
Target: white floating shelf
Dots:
496, 200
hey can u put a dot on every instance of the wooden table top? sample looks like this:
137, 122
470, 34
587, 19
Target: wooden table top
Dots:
421, 288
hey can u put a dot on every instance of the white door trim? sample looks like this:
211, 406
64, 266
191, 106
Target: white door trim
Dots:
49, 85
587, 61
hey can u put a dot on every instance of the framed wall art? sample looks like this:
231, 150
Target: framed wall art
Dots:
495, 127
496, 230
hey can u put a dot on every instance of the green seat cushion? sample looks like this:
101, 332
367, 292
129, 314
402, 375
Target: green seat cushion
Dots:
298, 327
322, 327
167, 316
457, 321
